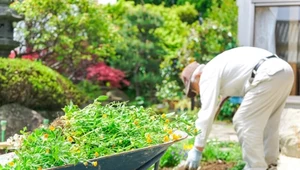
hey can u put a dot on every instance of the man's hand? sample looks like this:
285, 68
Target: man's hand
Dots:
193, 160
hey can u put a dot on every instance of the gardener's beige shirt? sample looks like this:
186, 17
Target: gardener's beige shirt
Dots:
228, 74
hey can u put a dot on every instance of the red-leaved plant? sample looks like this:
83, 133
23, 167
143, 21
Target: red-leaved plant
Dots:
103, 73
99, 73
29, 55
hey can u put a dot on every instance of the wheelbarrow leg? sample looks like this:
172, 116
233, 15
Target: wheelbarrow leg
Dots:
156, 166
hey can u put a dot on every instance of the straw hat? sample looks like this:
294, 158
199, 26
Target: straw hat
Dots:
186, 76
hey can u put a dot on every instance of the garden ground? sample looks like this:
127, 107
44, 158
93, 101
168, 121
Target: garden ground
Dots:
225, 131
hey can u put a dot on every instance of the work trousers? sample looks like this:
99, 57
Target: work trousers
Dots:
257, 119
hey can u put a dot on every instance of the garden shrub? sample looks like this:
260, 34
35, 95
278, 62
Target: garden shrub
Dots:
217, 33
205, 42
36, 86
139, 51
187, 13
202, 6
66, 35
225, 13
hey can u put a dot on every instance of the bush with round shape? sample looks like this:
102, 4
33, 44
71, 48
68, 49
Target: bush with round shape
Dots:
35, 86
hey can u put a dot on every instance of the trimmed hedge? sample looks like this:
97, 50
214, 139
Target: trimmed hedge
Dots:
36, 86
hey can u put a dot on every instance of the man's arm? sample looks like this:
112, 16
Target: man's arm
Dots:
217, 113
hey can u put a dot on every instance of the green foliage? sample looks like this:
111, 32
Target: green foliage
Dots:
174, 31
225, 151
239, 165
68, 35
36, 86
172, 34
139, 51
205, 42
173, 156
215, 35
187, 13
225, 13
169, 90
93, 91
202, 6
227, 111
214, 151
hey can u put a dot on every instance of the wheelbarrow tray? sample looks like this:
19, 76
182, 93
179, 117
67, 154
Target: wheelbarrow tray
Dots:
138, 159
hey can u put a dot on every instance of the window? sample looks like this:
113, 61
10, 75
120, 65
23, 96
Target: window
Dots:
277, 30
275, 26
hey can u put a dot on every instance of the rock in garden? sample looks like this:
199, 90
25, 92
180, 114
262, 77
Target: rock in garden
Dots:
289, 132
51, 115
117, 95
18, 117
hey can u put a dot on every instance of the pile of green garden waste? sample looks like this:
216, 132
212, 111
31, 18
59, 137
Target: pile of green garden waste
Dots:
94, 131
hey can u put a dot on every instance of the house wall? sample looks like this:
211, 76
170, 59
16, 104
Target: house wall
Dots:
245, 22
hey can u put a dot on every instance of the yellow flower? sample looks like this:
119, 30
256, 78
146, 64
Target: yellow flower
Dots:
40, 168
47, 150
70, 139
96, 154
52, 128
136, 122
85, 163
147, 135
175, 136
149, 140
46, 136
170, 131
163, 116
187, 146
104, 116
166, 139
95, 163
167, 121
11, 163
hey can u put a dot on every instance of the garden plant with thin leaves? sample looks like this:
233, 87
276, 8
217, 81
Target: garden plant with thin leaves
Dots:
95, 131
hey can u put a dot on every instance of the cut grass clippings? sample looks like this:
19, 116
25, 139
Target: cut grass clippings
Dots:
95, 131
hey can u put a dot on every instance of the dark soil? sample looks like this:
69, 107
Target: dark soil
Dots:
217, 165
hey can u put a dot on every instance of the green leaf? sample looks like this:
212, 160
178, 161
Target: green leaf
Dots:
102, 98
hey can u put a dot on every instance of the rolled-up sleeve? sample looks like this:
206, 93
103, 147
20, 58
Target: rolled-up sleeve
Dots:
209, 92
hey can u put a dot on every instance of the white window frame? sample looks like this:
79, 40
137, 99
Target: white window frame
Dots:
246, 17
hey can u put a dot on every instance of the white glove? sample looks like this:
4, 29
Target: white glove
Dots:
193, 160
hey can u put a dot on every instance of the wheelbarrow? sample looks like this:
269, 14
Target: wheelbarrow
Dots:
139, 159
